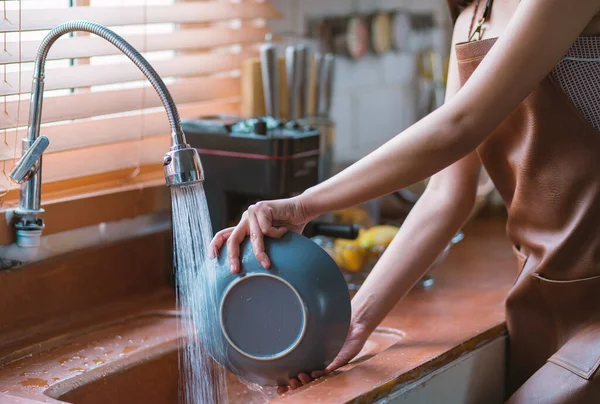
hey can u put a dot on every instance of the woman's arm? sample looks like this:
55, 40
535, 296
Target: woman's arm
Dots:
434, 220
437, 216
538, 35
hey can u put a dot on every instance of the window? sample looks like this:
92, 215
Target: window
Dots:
106, 126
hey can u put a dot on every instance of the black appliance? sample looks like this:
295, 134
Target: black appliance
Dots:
250, 160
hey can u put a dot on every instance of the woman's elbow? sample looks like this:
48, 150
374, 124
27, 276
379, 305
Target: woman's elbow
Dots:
452, 197
463, 132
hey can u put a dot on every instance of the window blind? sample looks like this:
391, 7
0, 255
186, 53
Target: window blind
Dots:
105, 123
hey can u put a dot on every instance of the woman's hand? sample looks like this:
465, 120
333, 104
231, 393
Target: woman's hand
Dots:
356, 339
270, 218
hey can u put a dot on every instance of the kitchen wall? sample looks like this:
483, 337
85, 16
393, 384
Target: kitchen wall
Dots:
374, 97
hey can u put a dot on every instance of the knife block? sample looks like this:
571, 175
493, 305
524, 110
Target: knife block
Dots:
253, 100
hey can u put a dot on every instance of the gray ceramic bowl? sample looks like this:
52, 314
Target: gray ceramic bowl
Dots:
291, 318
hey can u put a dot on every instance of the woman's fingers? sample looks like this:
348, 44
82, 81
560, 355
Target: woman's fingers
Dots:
318, 373
295, 383
218, 241
304, 378
276, 232
256, 238
354, 343
337, 362
257, 222
233, 244
265, 217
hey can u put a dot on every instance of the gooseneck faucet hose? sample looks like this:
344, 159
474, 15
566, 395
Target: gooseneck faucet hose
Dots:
121, 44
181, 163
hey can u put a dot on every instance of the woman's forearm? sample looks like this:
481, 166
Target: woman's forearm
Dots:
424, 235
419, 152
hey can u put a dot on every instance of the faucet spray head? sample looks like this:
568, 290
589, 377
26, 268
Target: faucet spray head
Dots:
182, 166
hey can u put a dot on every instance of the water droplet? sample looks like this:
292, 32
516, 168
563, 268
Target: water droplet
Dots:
34, 382
130, 348
27, 374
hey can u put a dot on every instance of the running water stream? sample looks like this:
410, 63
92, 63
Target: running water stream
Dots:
202, 380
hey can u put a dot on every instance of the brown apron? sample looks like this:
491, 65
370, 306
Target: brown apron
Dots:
545, 162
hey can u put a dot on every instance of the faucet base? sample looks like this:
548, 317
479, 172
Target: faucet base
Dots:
27, 242
20, 212
28, 226
29, 238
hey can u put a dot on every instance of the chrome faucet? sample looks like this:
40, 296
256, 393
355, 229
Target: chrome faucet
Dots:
181, 163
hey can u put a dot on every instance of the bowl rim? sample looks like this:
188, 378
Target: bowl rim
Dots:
286, 351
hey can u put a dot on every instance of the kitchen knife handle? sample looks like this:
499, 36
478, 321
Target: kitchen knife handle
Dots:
268, 63
291, 68
303, 74
329, 68
335, 230
319, 77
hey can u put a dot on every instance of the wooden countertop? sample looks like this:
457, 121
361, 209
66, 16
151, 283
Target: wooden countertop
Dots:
464, 309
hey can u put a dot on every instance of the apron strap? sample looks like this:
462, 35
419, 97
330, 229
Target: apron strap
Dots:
478, 31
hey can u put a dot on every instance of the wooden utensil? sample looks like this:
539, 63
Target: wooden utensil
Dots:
380, 29
252, 94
